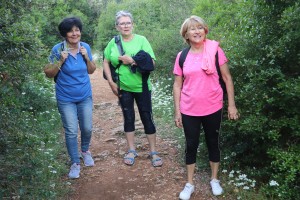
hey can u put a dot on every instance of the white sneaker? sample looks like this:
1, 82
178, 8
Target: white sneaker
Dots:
186, 193
87, 159
216, 188
74, 171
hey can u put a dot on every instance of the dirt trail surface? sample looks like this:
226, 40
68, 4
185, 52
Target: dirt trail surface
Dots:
110, 178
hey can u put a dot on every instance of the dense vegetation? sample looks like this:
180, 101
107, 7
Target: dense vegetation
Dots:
261, 38
262, 41
32, 154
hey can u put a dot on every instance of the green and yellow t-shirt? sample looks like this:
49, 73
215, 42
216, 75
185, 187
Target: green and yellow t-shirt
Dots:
131, 82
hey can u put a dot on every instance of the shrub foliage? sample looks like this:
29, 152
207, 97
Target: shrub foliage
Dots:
262, 44
260, 37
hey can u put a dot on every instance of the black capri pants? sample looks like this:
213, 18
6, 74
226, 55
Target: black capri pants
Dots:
127, 104
211, 126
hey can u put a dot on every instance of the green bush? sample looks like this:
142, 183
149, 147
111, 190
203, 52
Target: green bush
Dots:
263, 49
31, 146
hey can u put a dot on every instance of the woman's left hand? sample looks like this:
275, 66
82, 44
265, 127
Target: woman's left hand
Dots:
233, 113
83, 51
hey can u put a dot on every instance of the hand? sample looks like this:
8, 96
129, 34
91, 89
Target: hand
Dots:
126, 60
84, 53
233, 113
63, 56
178, 120
114, 88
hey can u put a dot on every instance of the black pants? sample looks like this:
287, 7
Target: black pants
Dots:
211, 126
127, 104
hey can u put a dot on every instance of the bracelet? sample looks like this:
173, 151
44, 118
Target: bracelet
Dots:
58, 67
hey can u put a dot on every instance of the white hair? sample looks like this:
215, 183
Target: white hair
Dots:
123, 13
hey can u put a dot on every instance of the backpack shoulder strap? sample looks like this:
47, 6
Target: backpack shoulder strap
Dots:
61, 49
183, 55
83, 56
217, 64
119, 45
221, 81
62, 46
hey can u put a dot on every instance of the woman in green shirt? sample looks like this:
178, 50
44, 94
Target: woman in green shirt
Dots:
129, 87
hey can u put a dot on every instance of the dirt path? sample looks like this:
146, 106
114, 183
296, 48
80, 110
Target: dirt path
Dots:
110, 179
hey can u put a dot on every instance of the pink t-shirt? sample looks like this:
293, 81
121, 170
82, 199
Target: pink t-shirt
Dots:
201, 93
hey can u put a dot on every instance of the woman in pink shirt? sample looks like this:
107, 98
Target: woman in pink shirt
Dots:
198, 99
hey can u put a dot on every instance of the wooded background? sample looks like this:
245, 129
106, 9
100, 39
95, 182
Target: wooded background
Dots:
261, 39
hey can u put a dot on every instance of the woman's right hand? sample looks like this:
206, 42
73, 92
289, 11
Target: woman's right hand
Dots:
63, 56
177, 86
114, 88
178, 119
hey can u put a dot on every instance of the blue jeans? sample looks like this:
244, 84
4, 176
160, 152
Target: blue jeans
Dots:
72, 114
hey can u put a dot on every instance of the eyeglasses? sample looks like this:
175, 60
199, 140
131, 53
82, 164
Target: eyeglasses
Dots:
124, 24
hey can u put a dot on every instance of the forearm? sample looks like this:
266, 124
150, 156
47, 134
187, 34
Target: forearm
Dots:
233, 113
229, 84
230, 91
177, 86
107, 71
176, 98
91, 66
52, 69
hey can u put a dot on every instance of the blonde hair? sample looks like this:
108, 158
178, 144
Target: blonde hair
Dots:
188, 23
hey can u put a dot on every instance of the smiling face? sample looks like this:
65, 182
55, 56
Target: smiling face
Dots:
73, 36
194, 30
125, 26
195, 34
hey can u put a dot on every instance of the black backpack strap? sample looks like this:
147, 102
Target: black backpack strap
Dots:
115, 76
183, 55
120, 48
218, 65
121, 51
119, 45
221, 81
